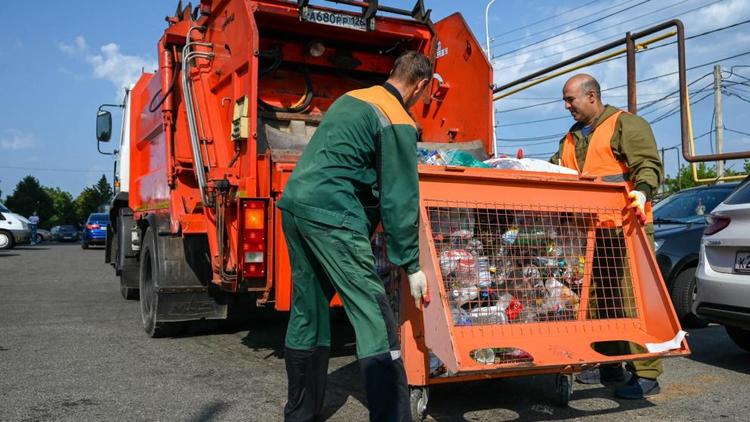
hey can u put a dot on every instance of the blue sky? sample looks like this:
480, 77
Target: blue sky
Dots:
72, 56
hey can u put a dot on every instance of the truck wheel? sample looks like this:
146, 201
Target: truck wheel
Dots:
739, 336
127, 266
128, 293
6, 240
149, 297
683, 294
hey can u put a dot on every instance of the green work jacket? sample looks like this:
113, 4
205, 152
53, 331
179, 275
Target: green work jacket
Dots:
359, 168
632, 143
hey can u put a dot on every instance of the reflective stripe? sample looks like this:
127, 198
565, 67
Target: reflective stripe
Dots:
622, 177
384, 121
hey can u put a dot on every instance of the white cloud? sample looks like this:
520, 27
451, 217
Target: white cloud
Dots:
77, 47
109, 62
719, 14
12, 139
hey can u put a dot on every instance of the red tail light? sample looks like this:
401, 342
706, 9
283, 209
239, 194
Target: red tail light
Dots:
716, 223
253, 238
92, 226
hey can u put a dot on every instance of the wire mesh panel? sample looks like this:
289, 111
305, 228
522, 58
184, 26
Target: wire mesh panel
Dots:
515, 264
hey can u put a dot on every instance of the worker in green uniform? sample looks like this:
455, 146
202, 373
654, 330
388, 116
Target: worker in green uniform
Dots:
619, 147
359, 169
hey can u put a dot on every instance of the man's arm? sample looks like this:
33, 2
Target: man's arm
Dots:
555, 159
399, 195
638, 148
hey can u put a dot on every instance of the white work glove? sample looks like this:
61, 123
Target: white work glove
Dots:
418, 286
638, 201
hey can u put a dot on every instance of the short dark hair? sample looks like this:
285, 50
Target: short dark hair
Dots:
411, 67
590, 84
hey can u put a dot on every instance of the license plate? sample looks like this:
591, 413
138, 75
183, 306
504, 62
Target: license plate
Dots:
340, 20
742, 263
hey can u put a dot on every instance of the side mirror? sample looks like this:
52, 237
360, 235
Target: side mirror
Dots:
103, 125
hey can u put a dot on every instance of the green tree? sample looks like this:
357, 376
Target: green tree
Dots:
685, 180
29, 196
92, 198
65, 209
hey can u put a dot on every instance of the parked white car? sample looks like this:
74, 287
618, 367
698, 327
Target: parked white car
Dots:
723, 275
14, 228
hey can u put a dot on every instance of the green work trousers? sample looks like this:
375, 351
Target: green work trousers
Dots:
327, 260
613, 290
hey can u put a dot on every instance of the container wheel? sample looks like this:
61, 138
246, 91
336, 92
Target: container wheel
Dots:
418, 398
563, 389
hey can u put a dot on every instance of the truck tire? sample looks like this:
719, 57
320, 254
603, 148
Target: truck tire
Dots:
128, 293
149, 276
126, 265
6, 240
683, 292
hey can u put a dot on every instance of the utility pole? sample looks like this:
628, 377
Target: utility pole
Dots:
719, 119
489, 59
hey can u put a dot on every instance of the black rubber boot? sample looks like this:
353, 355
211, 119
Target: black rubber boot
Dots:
384, 379
306, 372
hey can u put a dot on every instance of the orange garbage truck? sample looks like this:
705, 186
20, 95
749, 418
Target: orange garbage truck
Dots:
530, 272
210, 138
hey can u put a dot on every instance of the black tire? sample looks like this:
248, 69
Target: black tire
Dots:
683, 294
739, 336
6, 240
84, 245
127, 267
149, 275
128, 293
563, 389
38, 238
418, 398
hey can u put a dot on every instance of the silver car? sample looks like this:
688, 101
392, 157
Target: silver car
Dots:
723, 275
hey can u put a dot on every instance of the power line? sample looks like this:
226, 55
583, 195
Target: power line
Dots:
573, 9
736, 131
546, 30
677, 110
612, 38
624, 9
652, 78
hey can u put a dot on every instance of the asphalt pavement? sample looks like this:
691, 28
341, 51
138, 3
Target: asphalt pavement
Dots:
72, 349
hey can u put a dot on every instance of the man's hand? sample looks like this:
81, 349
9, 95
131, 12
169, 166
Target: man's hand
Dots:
418, 286
638, 201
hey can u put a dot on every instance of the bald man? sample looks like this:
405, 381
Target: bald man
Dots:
618, 147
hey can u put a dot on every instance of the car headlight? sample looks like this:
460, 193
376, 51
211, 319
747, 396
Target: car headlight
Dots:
658, 243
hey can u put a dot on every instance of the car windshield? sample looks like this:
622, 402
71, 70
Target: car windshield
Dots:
689, 206
68, 228
3, 209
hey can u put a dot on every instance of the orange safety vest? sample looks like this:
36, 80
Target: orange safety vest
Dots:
600, 160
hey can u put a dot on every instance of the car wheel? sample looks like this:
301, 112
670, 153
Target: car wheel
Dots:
683, 294
84, 245
739, 336
38, 238
6, 240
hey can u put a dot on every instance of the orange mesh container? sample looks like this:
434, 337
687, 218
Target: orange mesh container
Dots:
531, 273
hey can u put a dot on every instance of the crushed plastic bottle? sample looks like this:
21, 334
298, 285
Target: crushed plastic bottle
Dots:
485, 356
460, 317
